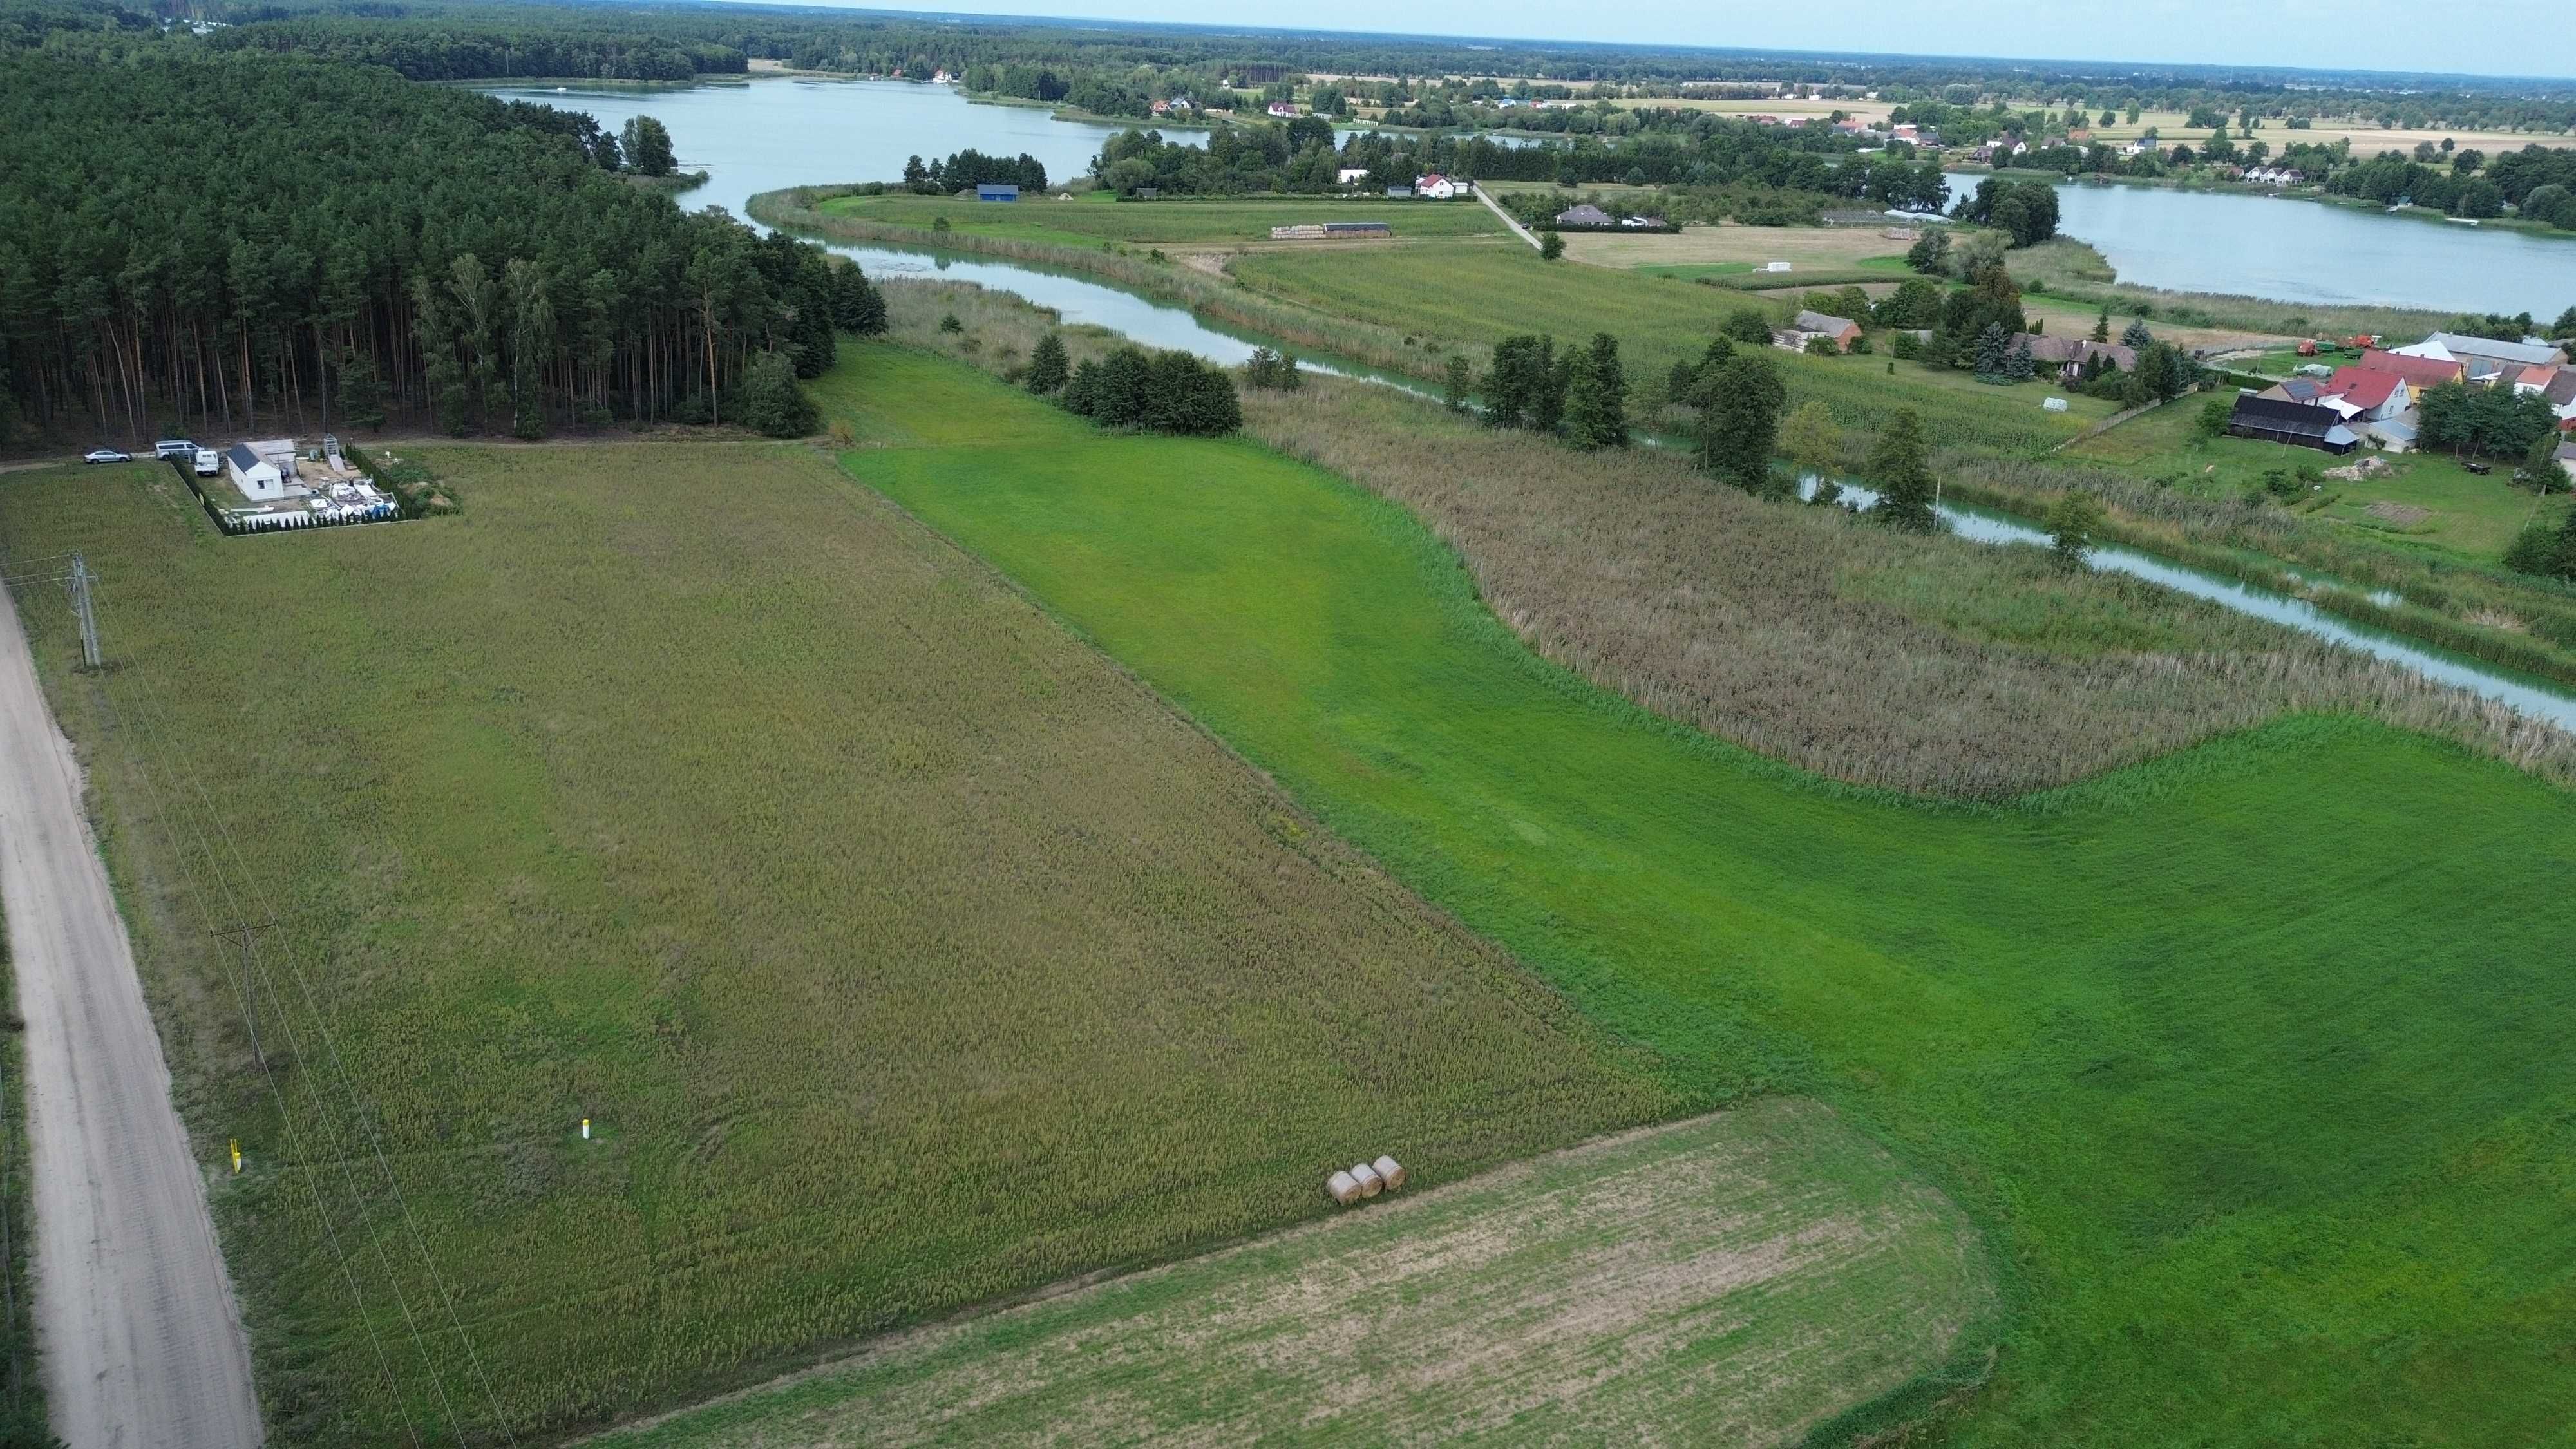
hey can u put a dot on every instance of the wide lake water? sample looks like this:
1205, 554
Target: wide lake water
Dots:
2306, 251
771, 134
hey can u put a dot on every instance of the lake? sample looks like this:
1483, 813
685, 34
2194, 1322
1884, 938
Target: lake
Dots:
767, 134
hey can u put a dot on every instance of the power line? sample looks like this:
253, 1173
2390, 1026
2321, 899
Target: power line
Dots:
358, 1108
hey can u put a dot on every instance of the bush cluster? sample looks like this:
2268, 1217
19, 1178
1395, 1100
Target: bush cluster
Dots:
1156, 392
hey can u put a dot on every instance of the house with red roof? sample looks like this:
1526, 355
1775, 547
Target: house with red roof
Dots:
2375, 395
2421, 373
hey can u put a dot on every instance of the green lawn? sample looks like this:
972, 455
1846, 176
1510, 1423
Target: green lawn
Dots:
2252, 1059
2466, 516
1146, 223
1465, 293
1744, 1276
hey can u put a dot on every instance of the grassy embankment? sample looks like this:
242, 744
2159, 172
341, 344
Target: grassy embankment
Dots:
2253, 1079
2067, 270
1573, 1296
1098, 217
22, 1390
902, 952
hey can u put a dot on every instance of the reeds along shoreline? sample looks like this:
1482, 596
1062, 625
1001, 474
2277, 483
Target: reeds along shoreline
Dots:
1936, 667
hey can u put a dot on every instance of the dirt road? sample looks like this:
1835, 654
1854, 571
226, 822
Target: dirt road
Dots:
141, 1340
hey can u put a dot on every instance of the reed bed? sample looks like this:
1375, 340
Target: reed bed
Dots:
1936, 667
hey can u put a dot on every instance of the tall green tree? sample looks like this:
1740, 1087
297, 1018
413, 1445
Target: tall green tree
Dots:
1900, 465
1814, 442
2073, 520
1596, 407
1047, 369
647, 144
1740, 422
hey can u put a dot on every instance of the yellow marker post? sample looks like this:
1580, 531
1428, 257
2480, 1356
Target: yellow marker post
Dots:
585, 1129
236, 1156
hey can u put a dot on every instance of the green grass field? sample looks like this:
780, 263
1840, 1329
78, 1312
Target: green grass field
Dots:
1660, 1286
902, 951
2465, 516
1470, 293
2247, 1058
1088, 222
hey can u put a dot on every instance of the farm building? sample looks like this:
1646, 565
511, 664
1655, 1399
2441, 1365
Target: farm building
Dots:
2487, 360
1841, 330
2070, 354
996, 191
1331, 230
2301, 425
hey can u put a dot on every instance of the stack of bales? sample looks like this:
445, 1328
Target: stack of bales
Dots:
1365, 1179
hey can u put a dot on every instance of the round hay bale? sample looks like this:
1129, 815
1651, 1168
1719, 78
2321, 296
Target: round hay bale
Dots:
1344, 1188
1366, 1176
1391, 1172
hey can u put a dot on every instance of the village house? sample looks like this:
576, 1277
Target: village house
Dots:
2139, 147
2069, 355
2374, 395
261, 470
1283, 110
1350, 176
1808, 326
1434, 187
1585, 215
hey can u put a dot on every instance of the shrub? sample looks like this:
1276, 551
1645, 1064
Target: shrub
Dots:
771, 401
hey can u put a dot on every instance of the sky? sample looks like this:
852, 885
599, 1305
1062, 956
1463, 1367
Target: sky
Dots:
2471, 37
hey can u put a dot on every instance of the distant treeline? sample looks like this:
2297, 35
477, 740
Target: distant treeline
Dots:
435, 50
244, 242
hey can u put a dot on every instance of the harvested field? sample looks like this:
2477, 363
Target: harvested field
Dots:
1574, 1295
1808, 248
902, 951
1096, 218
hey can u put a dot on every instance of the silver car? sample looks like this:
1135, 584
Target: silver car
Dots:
106, 455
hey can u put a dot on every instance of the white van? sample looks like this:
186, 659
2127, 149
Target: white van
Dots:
208, 464
173, 448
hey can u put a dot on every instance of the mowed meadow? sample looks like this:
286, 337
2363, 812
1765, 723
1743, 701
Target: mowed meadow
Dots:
2245, 1057
1743, 1278
901, 951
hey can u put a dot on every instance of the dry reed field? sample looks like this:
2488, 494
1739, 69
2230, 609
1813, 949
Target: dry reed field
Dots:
1571, 1297
901, 951
1937, 667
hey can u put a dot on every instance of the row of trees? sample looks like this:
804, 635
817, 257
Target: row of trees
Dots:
248, 242
970, 168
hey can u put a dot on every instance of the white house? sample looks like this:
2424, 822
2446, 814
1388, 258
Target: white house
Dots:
1283, 110
259, 478
1435, 186
1350, 176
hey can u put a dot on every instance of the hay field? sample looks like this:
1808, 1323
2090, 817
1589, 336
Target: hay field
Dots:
902, 951
2368, 138
2253, 1083
1809, 248
1572, 1296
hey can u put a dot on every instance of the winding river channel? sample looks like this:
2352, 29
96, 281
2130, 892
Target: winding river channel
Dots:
772, 134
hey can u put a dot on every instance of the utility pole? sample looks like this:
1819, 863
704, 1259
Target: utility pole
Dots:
79, 584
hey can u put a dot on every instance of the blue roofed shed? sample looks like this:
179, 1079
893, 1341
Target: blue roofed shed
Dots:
996, 191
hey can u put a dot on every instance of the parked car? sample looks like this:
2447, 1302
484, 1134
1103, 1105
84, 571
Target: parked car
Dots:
106, 455
169, 448
2482, 469
209, 463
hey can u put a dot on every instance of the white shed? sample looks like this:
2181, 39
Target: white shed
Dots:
258, 479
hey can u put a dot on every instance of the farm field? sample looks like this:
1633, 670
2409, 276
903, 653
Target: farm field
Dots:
2267, 1132
1836, 248
2367, 138
1466, 293
1576, 1294
901, 952
2464, 515
1088, 222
